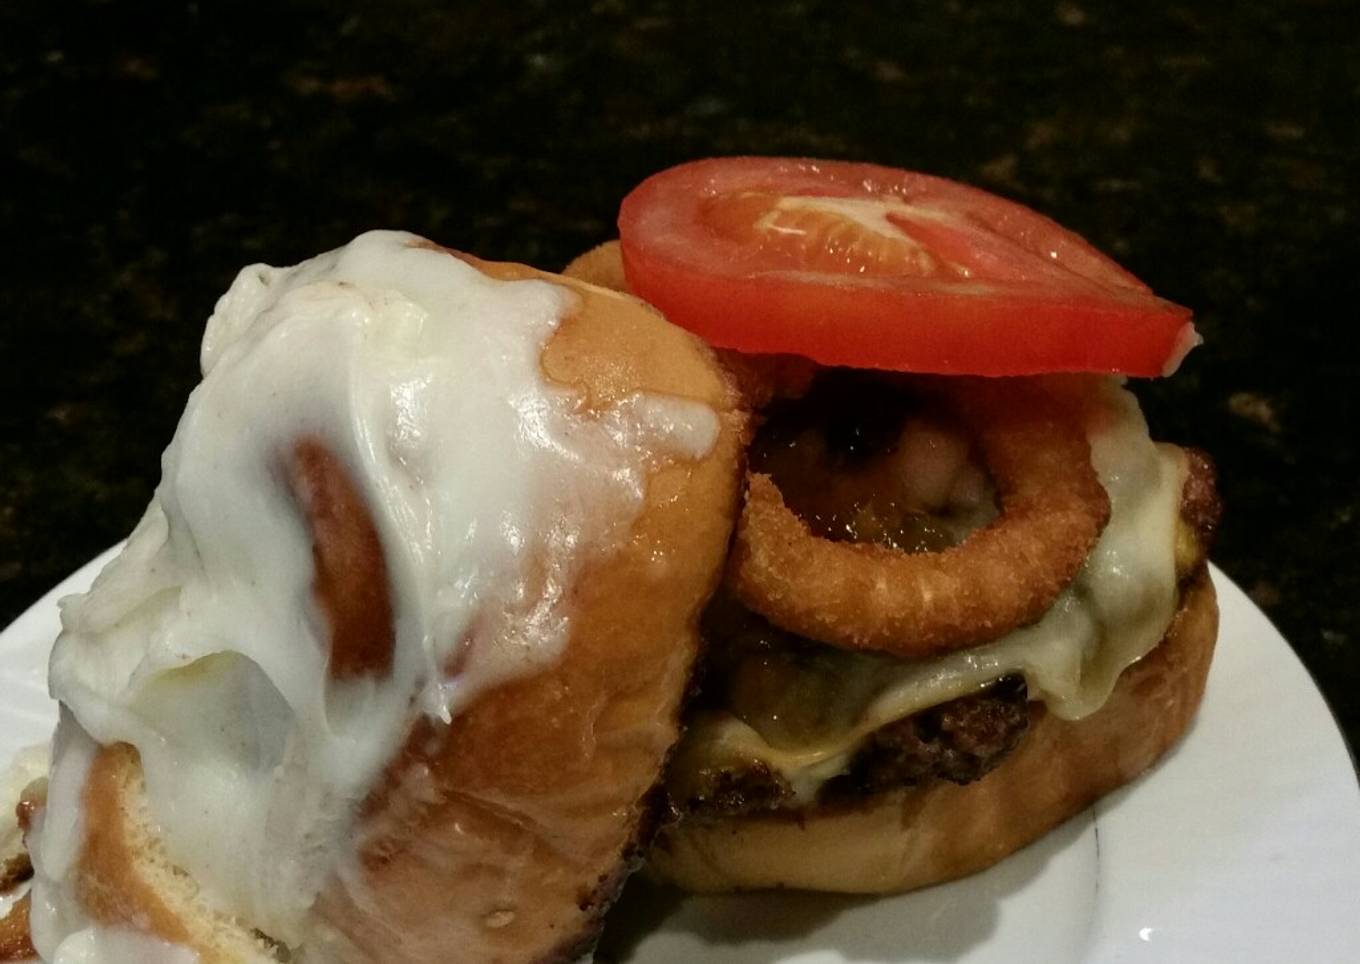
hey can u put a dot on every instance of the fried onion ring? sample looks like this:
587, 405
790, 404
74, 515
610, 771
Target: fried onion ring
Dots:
1002, 576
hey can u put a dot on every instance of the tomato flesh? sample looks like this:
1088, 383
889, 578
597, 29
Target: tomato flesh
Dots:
834, 235
870, 267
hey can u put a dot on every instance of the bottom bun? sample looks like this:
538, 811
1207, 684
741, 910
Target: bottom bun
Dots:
925, 835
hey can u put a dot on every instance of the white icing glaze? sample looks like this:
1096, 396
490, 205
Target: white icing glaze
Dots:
488, 486
56, 837
119, 945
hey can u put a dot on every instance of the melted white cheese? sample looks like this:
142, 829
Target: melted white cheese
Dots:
201, 644
1116, 610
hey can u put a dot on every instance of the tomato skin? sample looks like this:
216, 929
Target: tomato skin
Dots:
1036, 297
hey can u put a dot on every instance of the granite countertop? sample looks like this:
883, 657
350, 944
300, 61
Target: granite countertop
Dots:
151, 150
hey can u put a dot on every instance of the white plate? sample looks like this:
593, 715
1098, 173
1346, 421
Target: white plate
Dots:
1242, 846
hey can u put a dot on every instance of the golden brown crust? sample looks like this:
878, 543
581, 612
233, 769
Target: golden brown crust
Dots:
15, 944
504, 835
763, 379
940, 831
32, 799
860, 595
601, 265
14, 871
1201, 506
760, 379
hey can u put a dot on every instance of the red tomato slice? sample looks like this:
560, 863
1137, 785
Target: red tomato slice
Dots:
872, 267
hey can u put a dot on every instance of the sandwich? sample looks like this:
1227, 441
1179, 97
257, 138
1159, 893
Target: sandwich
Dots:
391, 665
808, 536
967, 594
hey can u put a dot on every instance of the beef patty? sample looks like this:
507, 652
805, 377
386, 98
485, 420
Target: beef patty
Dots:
960, 741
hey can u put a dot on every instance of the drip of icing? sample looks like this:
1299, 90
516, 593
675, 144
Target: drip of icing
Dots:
55, 839
119, 945
488, 487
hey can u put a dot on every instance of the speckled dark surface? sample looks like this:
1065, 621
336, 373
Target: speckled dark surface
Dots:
146, 155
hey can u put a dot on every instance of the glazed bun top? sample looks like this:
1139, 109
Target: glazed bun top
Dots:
266, 644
